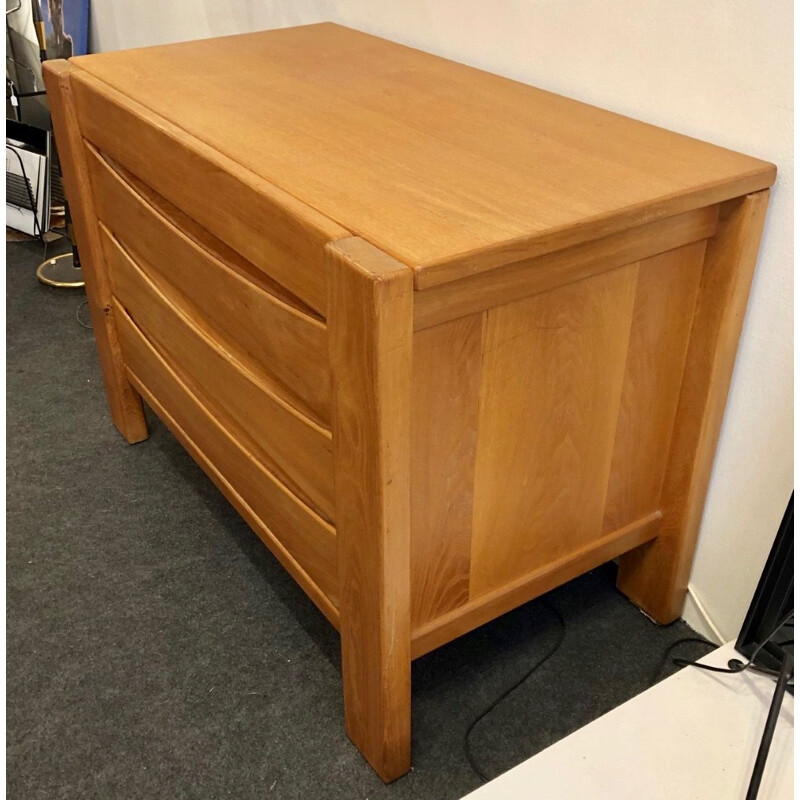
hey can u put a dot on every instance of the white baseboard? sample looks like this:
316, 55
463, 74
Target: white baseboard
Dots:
696, 617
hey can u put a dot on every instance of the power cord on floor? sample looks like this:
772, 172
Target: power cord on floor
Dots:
687, 640
785, 677
78, 314
735, 665
546, 657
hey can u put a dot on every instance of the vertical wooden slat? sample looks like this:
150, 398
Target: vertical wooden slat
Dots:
662, 321
552, 375
370, 323
656, 575
446, 394
124, 401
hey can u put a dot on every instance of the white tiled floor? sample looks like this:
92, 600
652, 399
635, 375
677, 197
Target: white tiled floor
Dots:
694, 735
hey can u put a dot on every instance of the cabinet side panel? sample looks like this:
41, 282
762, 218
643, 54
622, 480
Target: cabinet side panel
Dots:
446, 388
656, 576
662, 321
553, 369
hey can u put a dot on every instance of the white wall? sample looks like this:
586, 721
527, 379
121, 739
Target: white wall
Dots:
719, 70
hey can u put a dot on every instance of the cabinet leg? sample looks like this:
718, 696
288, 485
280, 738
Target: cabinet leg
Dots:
124, 402
648, 576
377, 701
370, 327
656, 575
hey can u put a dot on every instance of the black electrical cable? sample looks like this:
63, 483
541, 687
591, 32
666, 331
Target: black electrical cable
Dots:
546, 657
735, 666
36, 223
25, 95
787, 668
677, 643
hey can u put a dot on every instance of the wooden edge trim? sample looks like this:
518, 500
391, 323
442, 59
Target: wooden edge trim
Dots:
520, 279
537, 244
318, 597
483, 609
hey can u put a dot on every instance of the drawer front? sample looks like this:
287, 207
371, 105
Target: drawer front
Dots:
254, 316
277, 233
288, 444
297, 536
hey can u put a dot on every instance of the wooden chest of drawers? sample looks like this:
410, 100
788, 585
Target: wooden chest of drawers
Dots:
445, 341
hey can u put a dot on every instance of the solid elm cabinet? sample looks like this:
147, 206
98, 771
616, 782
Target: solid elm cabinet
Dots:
444, 340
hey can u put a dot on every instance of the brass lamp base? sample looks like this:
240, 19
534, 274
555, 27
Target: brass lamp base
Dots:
60, 271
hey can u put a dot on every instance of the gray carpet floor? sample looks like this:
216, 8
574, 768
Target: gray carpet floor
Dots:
156, 649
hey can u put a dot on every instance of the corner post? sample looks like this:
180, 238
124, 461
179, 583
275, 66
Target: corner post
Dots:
370, 324
124, 402
655, 576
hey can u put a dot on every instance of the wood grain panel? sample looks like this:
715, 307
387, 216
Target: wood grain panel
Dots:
662, 320
541, 580
444, 167
446, 391
279, 234
371, 354
553, 367
284, 524
297, 451
124, 403
530, 276
656, 575
253, 316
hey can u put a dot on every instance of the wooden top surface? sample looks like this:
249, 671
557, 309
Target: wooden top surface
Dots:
447, 168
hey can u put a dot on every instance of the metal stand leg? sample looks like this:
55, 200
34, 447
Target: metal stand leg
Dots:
64, 271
